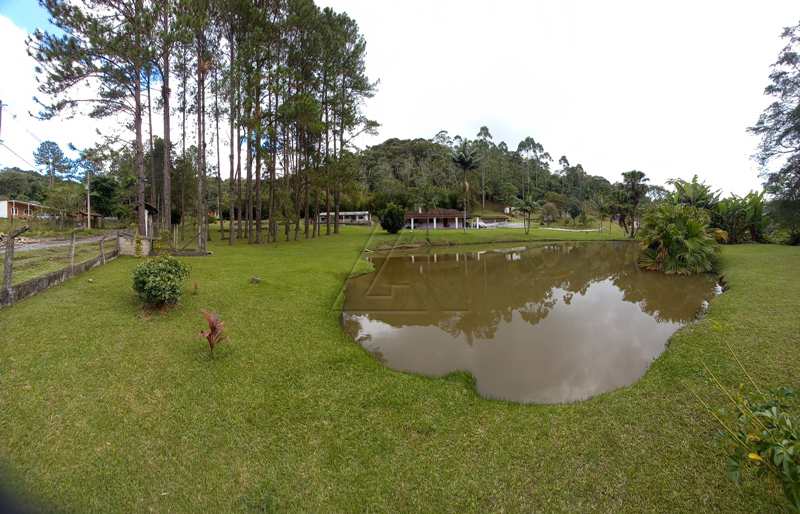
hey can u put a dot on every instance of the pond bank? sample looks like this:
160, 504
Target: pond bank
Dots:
114, 411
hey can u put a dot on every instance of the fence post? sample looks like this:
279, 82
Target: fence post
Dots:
102, 250
8, 260
72, 253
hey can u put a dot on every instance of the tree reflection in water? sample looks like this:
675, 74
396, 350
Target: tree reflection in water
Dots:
594, 319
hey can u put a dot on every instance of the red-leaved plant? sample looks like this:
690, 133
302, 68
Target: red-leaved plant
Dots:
215, 333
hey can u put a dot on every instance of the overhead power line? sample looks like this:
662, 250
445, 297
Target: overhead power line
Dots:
23, 159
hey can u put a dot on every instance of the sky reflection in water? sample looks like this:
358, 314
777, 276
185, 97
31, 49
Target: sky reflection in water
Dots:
557, 322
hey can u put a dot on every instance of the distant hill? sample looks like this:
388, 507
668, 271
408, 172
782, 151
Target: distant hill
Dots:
18, 184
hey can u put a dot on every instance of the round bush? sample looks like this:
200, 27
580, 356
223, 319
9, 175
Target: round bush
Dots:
158, 281
393, 218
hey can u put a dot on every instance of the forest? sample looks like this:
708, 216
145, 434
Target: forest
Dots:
246, 357
260, 105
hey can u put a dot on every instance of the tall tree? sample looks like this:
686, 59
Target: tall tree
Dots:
779, 129
635, 188
466, 158
94, 46
485, 140
167, 34
53, 161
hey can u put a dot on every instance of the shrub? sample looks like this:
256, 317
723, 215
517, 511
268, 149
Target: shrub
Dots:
720, 236
742, 218
676, 240
158, 281
764, 435
550, 213
393, 218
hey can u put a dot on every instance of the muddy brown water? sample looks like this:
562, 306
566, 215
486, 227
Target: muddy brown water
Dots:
551, 323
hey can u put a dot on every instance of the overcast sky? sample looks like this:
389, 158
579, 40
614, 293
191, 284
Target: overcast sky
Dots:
667, 88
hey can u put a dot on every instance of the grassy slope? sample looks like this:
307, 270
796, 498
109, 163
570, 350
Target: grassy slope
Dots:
103, 408
443, 237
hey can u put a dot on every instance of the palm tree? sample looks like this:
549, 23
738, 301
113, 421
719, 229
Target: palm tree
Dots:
465, 157
602, 206
527, 206
694, 193
676, 239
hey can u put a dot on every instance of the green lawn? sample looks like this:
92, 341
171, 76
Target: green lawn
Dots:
381, 240
106, 408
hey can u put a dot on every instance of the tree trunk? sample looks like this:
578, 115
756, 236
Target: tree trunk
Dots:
166, 207
219, 161
239, 206
202, 211
184, 78
150, 135
139, 152
483, 189
273, 223
249, 188
257, 149
233, 142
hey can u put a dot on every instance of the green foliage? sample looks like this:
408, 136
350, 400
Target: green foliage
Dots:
17, 184
765, 435
778, 125
393, 218
66, 197
676, 240
53, 162
527, 207
694, 193
158, 281
786, 214
574, 210
105, 196
743, 218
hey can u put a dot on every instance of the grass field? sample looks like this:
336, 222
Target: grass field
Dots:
107, 408
382, 240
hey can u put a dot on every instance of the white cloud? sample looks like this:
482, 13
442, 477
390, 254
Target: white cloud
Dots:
667, 88
21, 132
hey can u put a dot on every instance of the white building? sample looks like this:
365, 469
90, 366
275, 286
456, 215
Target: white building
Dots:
347, 217
11, 209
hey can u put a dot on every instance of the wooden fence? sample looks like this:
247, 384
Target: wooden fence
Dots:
12, 293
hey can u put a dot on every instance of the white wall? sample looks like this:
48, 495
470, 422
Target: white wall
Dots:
3, 208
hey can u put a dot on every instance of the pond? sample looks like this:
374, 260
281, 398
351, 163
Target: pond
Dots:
551, 323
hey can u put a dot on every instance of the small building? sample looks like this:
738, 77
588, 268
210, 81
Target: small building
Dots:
81, 217
11, 209
435, 219
347, 217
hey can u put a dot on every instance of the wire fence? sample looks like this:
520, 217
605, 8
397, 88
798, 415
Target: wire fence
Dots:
31, 268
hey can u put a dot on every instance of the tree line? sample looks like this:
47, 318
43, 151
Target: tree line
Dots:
284, 79
282, 82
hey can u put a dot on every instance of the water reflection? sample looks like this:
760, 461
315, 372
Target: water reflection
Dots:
551, 323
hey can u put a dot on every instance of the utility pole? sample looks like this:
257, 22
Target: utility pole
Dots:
88, 198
